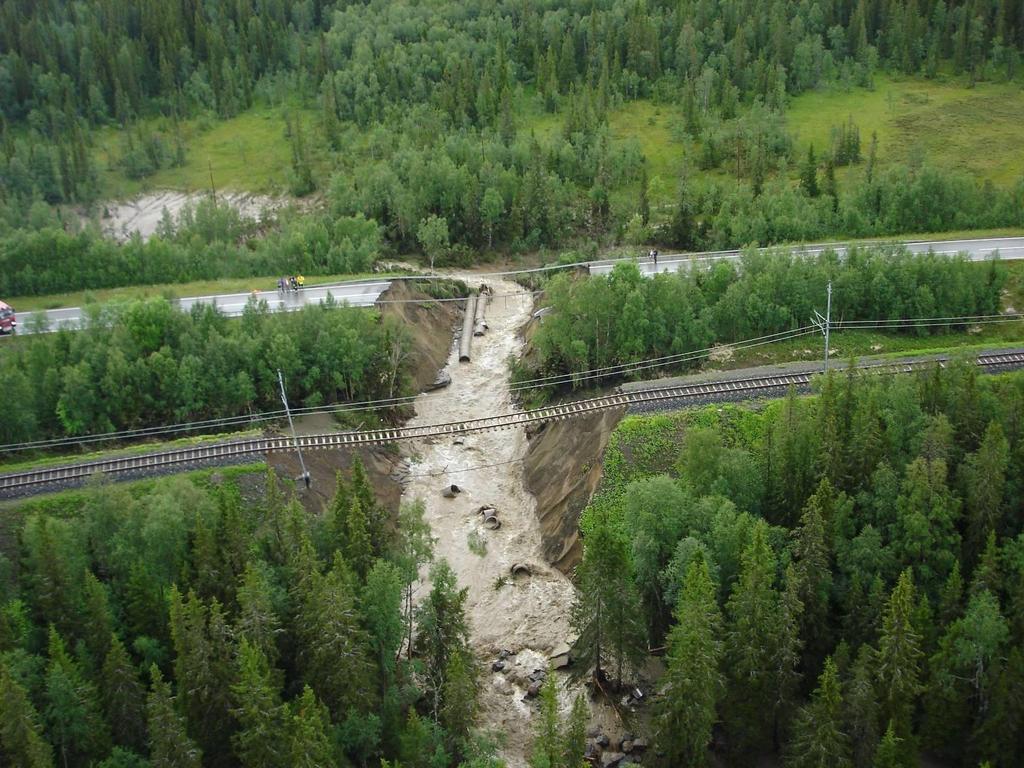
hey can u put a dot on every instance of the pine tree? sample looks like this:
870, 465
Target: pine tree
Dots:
693, 684
898, 660
831, 188
819, 740
308, 743
809, 174
21, 739
260, 741
169, 744
123, 696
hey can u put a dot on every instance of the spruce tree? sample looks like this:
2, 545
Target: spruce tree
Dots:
890, 752
809, 174
21, 739
169, 744
381, 603
606, 611
458, 707
443, 627
819, 740
898, 661
692, 683
260, 741
413, 548
547, 743
644, 204
333, 648
74, 721
574, 735
358, 548
257, 620
123, 696
308, 744
752, 645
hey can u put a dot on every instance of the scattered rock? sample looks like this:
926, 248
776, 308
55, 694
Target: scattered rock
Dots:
593, 731
451, 491
627, 746
592, 751
538, 675
611, 759
640, 745
504, 653
602, 741
533, 690
443, 380
498, 666
560, 662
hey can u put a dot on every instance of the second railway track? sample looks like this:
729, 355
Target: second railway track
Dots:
18, 483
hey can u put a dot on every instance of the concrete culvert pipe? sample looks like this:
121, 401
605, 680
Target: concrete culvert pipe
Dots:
492, 523
479, 318
467, 330
451, 491
520, 569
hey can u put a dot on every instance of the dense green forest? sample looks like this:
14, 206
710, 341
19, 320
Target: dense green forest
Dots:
176, 624
839, 580
147, 364
607, 323
401, 112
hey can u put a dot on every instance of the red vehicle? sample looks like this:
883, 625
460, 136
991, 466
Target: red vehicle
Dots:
8, 322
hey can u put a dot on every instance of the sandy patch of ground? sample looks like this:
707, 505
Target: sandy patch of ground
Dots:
120, 220
528, 615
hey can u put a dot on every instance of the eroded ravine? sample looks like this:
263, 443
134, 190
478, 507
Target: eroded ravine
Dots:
527, 615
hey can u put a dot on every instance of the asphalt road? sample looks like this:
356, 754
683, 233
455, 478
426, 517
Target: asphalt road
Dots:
361, 294
978, 250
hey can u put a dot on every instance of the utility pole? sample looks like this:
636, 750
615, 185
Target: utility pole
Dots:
825, 323
828, 322
295, 440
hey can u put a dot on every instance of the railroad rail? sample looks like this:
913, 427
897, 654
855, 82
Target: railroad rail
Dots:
15, 483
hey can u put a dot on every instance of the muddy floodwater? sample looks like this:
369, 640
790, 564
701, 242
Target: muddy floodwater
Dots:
526, 614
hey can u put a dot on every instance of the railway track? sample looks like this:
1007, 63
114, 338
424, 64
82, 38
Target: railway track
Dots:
21, 482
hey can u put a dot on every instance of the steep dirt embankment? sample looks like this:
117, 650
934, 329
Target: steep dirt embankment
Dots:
562, 471
430, 325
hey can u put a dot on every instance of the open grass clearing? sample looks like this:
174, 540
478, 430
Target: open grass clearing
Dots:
944, 122
248, 153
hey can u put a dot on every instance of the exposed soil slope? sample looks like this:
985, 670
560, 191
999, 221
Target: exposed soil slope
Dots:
563, 469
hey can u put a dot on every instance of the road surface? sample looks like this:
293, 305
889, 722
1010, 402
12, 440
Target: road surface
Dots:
358, 294
365, 293
978, 250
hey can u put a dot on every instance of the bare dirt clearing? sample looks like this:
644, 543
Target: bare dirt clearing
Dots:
141, 215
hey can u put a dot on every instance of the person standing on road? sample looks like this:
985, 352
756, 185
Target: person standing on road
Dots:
654, 255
